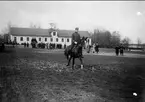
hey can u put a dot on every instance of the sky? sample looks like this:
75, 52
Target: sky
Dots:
127, 17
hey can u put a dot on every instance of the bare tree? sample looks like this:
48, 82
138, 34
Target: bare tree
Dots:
39, 26
126, 41
102, 37
139, 41
115, 38
6, 30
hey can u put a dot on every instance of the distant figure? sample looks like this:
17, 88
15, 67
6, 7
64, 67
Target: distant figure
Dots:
47, 45
93, 50
13, 44
24, 44
64, 46
97, 47
117, 50
34, 43
27, 44
50, 46
121, 50
88, 48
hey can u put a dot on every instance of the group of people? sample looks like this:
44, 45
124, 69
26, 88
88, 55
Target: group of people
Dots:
41, 45
26, 44
48, 45
53, 46
119, 50
95, 47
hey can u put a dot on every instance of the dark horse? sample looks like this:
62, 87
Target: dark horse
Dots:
74, 53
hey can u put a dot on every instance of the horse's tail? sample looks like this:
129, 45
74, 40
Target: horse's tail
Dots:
66, 53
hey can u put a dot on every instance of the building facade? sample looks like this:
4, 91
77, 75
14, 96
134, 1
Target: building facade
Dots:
63, 37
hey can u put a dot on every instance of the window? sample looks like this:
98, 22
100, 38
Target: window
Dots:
45, 39
39, 39
56, 39
67, 40
27, 38
51, 40
54, 33
62, 40
21, 38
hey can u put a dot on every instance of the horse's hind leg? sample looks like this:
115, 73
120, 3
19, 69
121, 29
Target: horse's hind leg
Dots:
69, 61
81, 62
73, 63
67, 57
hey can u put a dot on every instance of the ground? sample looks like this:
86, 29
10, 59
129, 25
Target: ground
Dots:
40, 75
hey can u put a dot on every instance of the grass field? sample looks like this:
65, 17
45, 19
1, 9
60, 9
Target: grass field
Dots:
27, 75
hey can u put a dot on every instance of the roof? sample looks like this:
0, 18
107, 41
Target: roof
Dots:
29, 32
44, 32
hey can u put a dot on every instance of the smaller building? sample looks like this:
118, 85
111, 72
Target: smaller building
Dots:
136, 47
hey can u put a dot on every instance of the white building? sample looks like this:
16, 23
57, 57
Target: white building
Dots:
24, 35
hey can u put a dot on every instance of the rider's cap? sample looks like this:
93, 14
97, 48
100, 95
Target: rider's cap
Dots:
76, 28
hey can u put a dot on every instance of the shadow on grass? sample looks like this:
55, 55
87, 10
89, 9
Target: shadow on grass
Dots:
134, 82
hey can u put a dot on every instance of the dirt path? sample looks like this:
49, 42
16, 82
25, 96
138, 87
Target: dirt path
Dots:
130, 55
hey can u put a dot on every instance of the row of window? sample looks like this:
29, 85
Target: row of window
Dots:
21, 39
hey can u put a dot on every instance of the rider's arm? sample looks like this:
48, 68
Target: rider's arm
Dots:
72, 37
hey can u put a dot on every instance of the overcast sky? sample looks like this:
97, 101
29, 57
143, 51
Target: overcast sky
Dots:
123, 16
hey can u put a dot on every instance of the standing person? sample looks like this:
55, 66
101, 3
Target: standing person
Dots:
94, 48
88, 48
13, 44
24, 44
76, 40
97, 47
27, 44
47, 45
117, 50
121, 50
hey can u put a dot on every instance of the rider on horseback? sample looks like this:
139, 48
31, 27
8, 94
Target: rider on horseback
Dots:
76, 39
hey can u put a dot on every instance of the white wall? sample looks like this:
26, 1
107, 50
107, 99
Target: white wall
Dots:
43, 40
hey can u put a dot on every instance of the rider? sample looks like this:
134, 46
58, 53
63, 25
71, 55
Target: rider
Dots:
76, 40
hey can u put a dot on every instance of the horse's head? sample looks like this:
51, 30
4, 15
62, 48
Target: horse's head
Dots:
82, 42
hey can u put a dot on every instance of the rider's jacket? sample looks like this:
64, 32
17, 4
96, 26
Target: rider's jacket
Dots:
76, 37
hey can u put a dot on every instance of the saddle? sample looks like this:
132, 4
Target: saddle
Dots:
74, 47
77, 50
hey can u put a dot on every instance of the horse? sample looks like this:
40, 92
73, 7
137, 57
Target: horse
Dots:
74, 53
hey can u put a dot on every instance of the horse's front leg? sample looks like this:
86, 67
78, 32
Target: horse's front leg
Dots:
69, 60
68, 56
81, 62
73, 63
